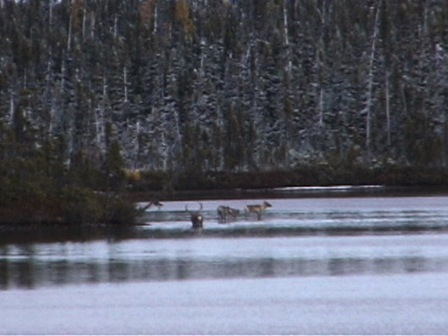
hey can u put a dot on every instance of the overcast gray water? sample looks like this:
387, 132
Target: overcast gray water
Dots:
367, 265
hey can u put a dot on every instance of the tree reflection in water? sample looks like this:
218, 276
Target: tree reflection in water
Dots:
28, 272
325, 237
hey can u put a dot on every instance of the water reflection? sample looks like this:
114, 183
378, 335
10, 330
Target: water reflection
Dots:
29, 272
23, 236
334, 237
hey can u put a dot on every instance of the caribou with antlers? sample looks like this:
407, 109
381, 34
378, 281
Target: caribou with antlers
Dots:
196, 217
259, 209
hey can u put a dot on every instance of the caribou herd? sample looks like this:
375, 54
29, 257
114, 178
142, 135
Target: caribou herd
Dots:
227, 214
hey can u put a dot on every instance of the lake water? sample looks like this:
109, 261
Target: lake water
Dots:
315, 265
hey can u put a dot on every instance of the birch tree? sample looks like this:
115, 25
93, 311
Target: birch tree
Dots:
369, 104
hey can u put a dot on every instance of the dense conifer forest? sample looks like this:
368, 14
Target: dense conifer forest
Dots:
163, 94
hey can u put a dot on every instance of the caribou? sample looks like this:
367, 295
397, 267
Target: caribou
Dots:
152, 203
257, 208
225, 213
196, 217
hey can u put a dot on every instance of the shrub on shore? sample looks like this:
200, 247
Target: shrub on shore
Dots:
81, 205
38, 187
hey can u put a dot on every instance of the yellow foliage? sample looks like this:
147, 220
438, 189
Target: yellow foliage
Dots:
77, 14
133, 175
147, 10
183, 16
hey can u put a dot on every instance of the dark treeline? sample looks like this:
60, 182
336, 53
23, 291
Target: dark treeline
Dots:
180, 88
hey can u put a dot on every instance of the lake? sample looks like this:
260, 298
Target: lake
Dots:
329, 263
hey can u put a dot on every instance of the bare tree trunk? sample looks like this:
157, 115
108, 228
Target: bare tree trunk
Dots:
320, 91
50, 15
125, 84
369, 102
286, 33
388, 110
84, 15
155, 26
69, 34
11, 108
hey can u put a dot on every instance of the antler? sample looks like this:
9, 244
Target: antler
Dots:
187, 210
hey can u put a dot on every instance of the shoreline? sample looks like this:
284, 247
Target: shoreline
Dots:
287, 192
336, 191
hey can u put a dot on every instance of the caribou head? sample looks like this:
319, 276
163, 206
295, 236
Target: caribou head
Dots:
151, 203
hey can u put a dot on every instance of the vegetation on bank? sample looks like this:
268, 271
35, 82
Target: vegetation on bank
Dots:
39, 187
318, 175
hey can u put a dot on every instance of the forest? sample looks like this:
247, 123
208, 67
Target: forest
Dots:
177, 94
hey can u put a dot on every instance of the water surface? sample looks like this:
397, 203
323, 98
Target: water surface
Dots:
312, 265
296, 237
